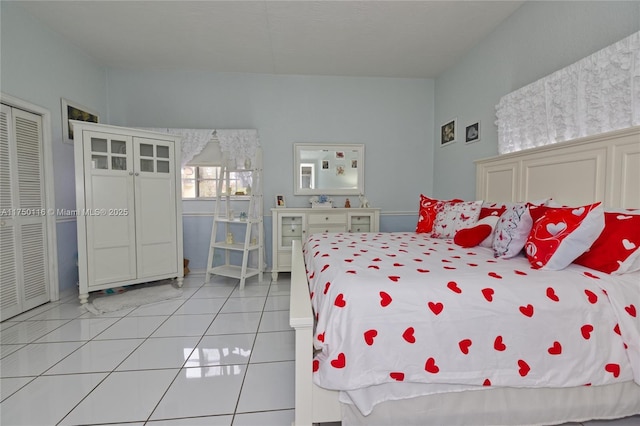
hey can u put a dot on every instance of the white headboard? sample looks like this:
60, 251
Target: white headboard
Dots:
604, 167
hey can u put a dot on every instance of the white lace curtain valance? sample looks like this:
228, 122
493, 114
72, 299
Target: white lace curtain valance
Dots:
597, 94
239, 143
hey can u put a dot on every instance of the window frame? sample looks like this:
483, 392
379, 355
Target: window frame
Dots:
197, 179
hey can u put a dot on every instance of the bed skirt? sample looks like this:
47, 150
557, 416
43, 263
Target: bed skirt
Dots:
504, 406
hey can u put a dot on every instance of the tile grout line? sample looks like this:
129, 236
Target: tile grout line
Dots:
235, 409
194, 348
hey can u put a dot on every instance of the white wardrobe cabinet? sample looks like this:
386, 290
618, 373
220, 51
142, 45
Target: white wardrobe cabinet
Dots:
129, 212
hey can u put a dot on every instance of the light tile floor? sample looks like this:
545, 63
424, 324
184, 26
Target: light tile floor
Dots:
216, 356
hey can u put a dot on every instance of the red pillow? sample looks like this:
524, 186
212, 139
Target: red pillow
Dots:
492, 210
537, 211
471, 237
562, 234
429, 208
618, 244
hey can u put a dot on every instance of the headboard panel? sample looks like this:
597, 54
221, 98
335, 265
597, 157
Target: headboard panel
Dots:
604, 167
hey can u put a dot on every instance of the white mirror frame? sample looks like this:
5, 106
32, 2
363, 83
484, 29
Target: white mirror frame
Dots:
359, 150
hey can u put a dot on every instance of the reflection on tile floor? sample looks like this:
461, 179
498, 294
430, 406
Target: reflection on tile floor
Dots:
216, 356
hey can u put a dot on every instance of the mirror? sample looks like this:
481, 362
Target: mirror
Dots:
328, 169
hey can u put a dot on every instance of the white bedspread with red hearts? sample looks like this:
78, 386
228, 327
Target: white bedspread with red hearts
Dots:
402, 307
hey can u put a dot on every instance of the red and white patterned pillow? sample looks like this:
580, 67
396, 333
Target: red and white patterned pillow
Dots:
429, 208
454, 217
617, 249
492, 209
512, 231
562, 234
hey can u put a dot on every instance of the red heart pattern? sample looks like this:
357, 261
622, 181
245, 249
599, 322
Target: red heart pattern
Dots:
397, 376
385, 299
551, 294
431, 367
436, 308
527, 310
464, 345
340, 361
523, 368
555, 349
369, 336
586, 330
453, 286
486, 281
613, 369
488, 294
408, 335
591, 296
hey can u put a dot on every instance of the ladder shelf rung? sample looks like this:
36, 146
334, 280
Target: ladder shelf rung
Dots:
235, 246
233, 271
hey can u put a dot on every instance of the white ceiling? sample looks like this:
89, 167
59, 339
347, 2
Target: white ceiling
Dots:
411, 39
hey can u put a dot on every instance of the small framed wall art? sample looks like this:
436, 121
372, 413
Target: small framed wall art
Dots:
448, 132
74, 111
472, 132
280, 201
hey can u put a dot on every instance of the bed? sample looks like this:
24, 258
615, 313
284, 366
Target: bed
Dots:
419, 382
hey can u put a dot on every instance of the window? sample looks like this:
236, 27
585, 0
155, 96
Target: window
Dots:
202, 182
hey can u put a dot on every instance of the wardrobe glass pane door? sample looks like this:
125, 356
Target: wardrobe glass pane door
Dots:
162, 165
155, 207
118, 155
109, 198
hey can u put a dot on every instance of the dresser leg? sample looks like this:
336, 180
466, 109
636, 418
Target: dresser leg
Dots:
274, 276
180, 281
84, 298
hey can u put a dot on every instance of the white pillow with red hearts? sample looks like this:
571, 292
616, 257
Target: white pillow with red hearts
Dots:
562, 234
454, 217
617, 249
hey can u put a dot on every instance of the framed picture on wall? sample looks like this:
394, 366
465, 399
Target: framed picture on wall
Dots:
74, 111
280, 201
448, 132
472, 132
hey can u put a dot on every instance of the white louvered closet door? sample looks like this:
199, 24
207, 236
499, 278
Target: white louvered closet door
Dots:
23, 248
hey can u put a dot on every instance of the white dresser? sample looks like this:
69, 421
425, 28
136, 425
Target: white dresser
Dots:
298, 223
129, 214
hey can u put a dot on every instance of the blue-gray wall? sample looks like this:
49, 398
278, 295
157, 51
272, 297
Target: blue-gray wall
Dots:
397, 119
391, 117
41, 67
536, 40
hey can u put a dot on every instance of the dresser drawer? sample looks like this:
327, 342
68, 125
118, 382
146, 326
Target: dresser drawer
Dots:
327, 218
320, 229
